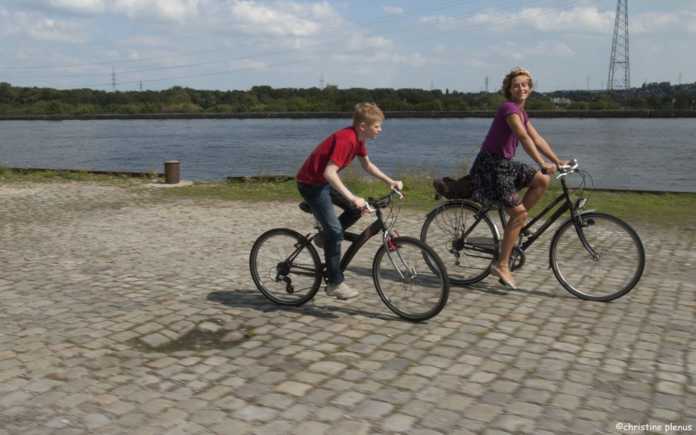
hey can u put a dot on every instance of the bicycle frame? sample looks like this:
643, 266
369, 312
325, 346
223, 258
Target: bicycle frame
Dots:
357, 242
561, 204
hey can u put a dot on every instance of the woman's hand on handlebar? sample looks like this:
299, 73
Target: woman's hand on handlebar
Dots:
548, 168
562, 163
396, 185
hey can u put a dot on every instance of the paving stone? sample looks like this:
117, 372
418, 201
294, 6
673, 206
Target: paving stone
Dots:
349, 427
93, 271
295, 388
398, 423
373, 409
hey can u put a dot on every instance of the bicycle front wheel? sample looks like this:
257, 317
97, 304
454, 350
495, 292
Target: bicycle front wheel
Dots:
466, 244
604, 268
285, 267
410, 279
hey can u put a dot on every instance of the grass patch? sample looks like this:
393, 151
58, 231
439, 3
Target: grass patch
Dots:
10, 176
634, 207
673, 209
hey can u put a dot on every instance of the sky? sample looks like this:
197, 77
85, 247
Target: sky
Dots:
463, 45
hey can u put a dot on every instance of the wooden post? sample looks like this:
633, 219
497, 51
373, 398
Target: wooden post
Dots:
172, 171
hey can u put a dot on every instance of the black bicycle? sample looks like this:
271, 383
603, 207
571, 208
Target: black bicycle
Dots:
595, 256
409, 276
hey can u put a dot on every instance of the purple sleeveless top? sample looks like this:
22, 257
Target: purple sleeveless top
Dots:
500, 140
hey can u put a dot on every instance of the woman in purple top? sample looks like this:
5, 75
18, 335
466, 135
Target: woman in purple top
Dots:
496, 177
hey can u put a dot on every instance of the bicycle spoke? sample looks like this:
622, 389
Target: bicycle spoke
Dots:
467, 247
405, 281
284, 269
606, 266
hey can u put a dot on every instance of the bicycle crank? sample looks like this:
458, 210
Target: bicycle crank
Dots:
517, 259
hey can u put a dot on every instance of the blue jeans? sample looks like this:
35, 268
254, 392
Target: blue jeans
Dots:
321, 198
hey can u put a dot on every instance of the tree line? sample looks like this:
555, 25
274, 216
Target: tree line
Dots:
48, 101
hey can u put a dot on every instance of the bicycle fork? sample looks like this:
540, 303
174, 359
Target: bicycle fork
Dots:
392, 250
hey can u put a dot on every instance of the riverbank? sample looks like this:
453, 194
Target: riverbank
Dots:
667, 209
660, 114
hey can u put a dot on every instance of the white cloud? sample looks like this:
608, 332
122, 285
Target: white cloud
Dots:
282, 18
578, 19
147, 41
442, 22
650, 22
543, 19
583, 19
80, 6
171, 10
250, 64
393, 10
551, 48
39, 27
54, 30
368, 43
175, 10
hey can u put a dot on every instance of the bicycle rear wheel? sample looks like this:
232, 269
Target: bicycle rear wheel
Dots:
410, 279
468, 258
285, 267
611, 273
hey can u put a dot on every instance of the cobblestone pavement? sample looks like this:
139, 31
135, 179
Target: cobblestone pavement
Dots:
95, 278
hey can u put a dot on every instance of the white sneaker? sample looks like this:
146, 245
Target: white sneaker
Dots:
341, 291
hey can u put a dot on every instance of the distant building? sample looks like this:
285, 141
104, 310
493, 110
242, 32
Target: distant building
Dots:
561, 101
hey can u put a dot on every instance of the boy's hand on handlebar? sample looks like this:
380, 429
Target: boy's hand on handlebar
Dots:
359, 202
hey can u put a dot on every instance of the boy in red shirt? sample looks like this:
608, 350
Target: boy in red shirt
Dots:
321, 187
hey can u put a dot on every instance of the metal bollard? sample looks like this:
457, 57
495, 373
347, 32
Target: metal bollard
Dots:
172, 171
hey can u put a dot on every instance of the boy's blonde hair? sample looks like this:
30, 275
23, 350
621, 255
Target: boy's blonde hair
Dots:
507, 81
369, 113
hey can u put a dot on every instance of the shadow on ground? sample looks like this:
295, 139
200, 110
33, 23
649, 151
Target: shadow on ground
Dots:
246, 298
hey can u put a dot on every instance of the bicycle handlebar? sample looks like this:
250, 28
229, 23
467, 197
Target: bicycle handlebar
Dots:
571, 167
384, 201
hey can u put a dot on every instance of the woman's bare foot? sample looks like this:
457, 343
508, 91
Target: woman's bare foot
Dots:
504, 275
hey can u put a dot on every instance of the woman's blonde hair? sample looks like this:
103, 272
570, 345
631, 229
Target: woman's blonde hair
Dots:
507, 81
369, 113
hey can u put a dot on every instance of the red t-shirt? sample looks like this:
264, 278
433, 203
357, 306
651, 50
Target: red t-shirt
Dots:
340, 148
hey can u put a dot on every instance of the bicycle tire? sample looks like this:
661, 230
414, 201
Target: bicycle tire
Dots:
617, 270
421, 294
277, 279
442, 230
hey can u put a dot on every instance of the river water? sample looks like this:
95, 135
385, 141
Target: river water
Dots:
639, 154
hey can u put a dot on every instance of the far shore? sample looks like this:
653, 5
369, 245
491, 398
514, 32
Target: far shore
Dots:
347, 115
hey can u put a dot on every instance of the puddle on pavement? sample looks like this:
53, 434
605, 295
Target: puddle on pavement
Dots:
206, 335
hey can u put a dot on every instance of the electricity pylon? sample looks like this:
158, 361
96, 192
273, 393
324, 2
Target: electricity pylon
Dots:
619, 64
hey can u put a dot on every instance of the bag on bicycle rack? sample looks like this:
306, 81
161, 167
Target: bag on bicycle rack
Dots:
450, 188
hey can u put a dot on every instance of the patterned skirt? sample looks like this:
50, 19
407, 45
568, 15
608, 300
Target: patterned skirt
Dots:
496, 180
